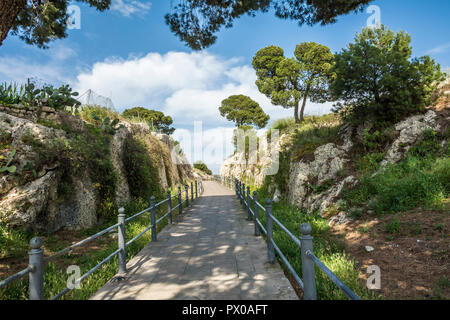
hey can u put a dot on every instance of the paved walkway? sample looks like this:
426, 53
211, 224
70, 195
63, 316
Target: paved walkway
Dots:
210, 254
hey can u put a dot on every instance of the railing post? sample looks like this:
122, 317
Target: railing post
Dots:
269, 226
249, 205
243, 195
36, 275
169, 204
180, 205
309, 277
196, 189
187, 195
121, 239
236, 187
192, 193
153, 218
256, 210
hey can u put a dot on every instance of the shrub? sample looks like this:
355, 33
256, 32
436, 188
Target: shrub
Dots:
201, 166
141, 172
376, 79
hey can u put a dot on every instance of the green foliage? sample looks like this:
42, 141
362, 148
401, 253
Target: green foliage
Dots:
243, 111
330, 252
203, 167
7, 167
197, 21
31, 96
155, 119
40, 22
88, 150
13, 243
106, 125
288, 80
141, 172
413, 182
11, 93
393, 227
377, 80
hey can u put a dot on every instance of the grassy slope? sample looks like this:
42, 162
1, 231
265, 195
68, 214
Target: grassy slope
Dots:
421, 179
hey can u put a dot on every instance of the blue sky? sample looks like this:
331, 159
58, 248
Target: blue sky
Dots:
130, 55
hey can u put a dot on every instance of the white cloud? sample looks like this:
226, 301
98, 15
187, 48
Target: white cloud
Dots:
128, 8
440, 49
187, 86
18, 69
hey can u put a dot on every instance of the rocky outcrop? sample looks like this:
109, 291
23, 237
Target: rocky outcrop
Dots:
411, 130
317, 181
30, 199
266, 162
305, 177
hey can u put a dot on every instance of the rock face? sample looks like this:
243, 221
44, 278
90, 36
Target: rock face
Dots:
411, 130
317, 183
31, 201
256, 168
329, 160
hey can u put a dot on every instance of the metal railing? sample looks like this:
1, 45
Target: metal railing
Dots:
37, 261
305, 242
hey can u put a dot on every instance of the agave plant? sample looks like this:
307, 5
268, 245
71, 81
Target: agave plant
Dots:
11, 93
10, 169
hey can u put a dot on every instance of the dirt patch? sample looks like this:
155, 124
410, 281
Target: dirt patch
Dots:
412, 250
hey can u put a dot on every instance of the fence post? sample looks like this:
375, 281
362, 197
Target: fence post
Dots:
36, 275
121, 236
243, 195
269, 226
236, 187
309, 277
187, 195
256, 210
153, 218
196, 189
180, 205
192, 192
249, 205
169, 204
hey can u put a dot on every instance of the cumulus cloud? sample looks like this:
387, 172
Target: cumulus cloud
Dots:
187, 86
129, 8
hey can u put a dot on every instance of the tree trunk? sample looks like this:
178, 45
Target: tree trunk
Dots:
9, 10
302, 111
296, 111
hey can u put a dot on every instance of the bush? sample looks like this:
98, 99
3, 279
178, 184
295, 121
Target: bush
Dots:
141, 173
201, 166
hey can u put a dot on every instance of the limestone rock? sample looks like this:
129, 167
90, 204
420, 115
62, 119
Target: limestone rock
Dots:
411, 130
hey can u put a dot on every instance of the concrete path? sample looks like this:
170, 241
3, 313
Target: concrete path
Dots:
210, 254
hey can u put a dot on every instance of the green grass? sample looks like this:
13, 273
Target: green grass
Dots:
330, 252
55, 277
421, 179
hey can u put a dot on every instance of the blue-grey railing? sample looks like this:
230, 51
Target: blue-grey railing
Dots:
37, 261
305, 242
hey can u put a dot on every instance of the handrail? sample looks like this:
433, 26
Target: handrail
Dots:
80, 243
304, 243
37, 254
16, 276
348, 292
